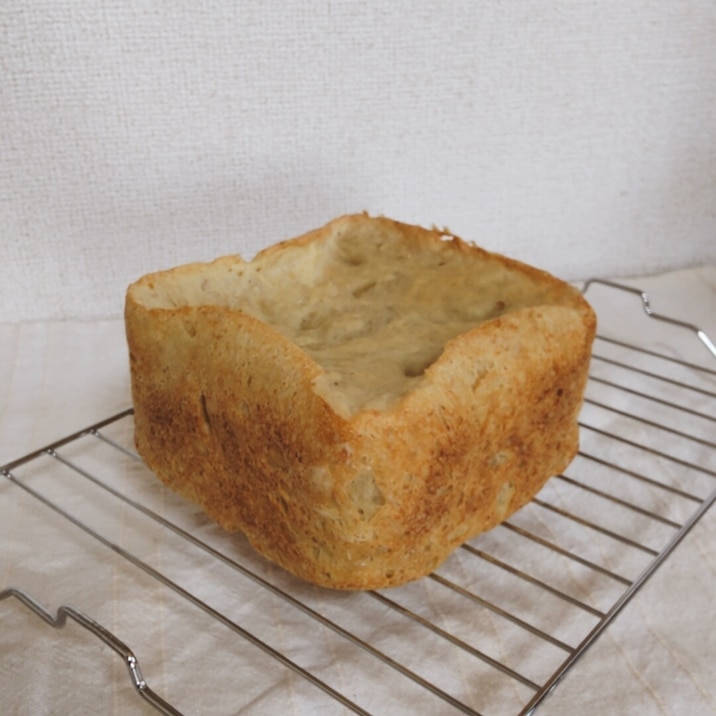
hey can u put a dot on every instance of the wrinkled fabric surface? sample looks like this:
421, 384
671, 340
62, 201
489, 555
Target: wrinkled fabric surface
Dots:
58, 377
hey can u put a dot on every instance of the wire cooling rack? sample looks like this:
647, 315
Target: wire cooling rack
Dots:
492, 631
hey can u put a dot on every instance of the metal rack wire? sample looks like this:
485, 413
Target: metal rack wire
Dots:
492, 631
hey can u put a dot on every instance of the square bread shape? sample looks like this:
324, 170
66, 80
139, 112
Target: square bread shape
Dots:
360, 400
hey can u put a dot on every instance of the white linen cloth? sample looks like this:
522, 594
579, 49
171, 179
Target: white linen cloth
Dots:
57, 377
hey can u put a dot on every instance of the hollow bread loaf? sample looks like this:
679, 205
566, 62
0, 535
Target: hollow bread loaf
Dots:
360, 400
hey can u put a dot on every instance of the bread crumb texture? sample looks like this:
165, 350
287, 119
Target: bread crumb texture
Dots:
360, 400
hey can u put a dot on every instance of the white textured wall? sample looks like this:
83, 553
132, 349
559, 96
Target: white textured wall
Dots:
579, 136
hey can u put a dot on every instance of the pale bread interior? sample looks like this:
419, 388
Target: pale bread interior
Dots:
372, 311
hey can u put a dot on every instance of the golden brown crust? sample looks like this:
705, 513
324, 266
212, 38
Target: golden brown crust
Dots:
228, 413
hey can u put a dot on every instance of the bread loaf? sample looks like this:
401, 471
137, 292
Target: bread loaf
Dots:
360, 400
